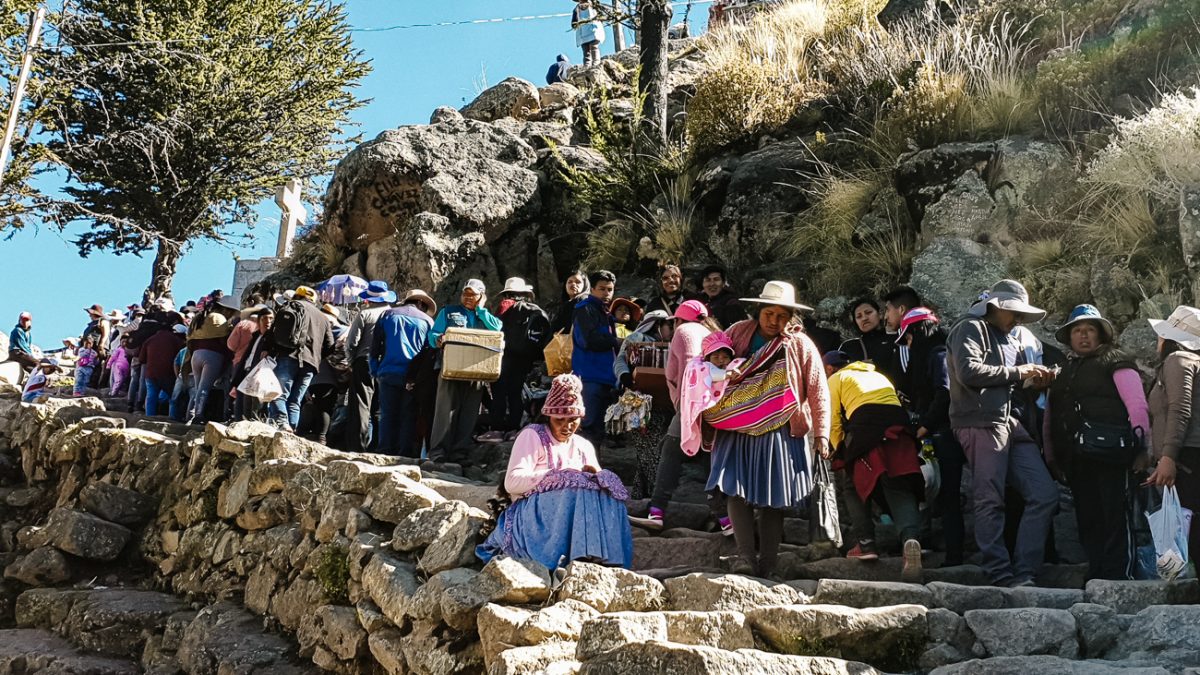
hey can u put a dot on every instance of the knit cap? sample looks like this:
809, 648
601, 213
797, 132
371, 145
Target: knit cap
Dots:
565, 398
715, 342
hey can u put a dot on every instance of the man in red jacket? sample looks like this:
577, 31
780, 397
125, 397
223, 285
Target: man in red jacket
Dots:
157, 356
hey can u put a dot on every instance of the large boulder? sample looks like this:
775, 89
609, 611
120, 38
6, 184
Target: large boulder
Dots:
951, 271
1131, 597
1043, 665
611, 589
512, 97
471, 172
669, 657
1162, 633
117, 504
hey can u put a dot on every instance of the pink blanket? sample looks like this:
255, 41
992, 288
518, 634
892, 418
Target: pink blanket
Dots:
697, 393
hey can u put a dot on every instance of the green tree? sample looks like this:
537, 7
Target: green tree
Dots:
17, 195
182, 114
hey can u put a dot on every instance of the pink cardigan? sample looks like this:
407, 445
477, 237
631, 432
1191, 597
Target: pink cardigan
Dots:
530, 461
240, 338
806, 375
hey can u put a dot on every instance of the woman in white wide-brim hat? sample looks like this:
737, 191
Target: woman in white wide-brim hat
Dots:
760, 458
1175, 409
526, 330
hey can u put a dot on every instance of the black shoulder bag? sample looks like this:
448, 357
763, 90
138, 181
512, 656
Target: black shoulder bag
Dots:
1104, 442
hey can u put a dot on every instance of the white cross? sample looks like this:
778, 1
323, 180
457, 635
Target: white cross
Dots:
294, 215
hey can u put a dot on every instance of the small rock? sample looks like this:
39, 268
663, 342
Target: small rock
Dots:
704, 592
1099, 627
390, 583
361, 478
335, 628
560, 621
668, 657
274, 475
334, 514
500, 629
959, 599
610, 631
1041, 665
454, 548
863, 594
369, 616
512, 97
1025, 632
559, 95
233, 493
421, 527
21, 498
1131, 597
1047, 598
611, 589
262, 513
1160, 630
85, 535
44, 566
516, 581
434, 596
723, 630
397, 496
533, 659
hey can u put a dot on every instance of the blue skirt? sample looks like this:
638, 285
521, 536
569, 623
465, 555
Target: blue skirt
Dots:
559, 526
768, 471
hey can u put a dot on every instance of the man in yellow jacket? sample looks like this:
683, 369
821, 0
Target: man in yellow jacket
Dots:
874, 447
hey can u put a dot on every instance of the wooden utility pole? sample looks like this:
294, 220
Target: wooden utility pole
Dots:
618, 27
18, 92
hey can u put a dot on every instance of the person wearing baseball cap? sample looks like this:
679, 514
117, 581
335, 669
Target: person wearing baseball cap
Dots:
457, 407
986, 377
20, 342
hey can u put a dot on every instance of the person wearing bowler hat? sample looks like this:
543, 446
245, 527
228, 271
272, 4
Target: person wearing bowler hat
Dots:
457, 407
565, 507
1098, 385
1175, 411
985, 380
627, 315
526, 333
363, 407
761, 459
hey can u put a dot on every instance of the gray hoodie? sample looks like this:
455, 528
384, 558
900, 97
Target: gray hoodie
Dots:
981, 384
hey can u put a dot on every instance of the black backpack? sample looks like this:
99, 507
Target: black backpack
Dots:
290, 328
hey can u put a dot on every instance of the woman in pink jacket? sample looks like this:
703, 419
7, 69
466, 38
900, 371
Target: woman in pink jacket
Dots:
565, 507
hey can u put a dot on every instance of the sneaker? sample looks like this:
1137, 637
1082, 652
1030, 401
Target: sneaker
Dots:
726, 526
863, 550
739, 565
911, 573
652, 521
1024, 583
490, 437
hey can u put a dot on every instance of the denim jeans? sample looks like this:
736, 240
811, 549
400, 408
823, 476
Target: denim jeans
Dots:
180, 397
1001, 456
596, 399
137, 385
157, 393
207, 366
397, 420
294, 378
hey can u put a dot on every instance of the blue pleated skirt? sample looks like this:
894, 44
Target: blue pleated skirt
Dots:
559, 526
769, 471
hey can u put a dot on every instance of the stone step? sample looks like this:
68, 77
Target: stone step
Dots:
25, 650
114, 622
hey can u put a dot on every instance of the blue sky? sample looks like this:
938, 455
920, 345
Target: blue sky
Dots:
415, 71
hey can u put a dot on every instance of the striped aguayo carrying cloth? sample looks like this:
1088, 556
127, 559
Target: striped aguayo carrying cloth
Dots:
761, 401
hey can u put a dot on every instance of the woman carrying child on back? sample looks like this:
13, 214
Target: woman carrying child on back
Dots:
704, 382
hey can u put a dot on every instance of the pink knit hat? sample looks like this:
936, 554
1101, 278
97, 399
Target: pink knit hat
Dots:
715, 342
565, 398
692, 310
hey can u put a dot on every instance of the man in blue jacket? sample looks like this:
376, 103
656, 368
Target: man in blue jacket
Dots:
458, 402
595, 349
399, 335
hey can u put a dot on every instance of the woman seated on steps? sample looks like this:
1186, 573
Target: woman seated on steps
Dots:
564, 506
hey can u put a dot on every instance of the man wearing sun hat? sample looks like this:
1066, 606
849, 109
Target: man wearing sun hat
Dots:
984, 379
361, 407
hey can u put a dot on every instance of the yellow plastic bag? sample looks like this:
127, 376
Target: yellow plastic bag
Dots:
558, 355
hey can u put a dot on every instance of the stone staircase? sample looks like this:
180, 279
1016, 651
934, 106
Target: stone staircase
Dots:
130, 547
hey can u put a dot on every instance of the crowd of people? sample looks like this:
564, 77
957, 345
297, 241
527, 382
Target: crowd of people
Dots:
754, 387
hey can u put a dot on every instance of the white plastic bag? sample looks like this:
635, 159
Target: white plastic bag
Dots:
1169, 527
261, 383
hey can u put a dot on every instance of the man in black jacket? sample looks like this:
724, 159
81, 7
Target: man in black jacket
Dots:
526, 333
302, 336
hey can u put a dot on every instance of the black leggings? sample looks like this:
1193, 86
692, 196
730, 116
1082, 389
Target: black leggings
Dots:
765, 555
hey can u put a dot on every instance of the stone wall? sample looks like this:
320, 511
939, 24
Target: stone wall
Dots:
140, 546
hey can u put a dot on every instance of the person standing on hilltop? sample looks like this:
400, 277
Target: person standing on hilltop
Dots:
589, 33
